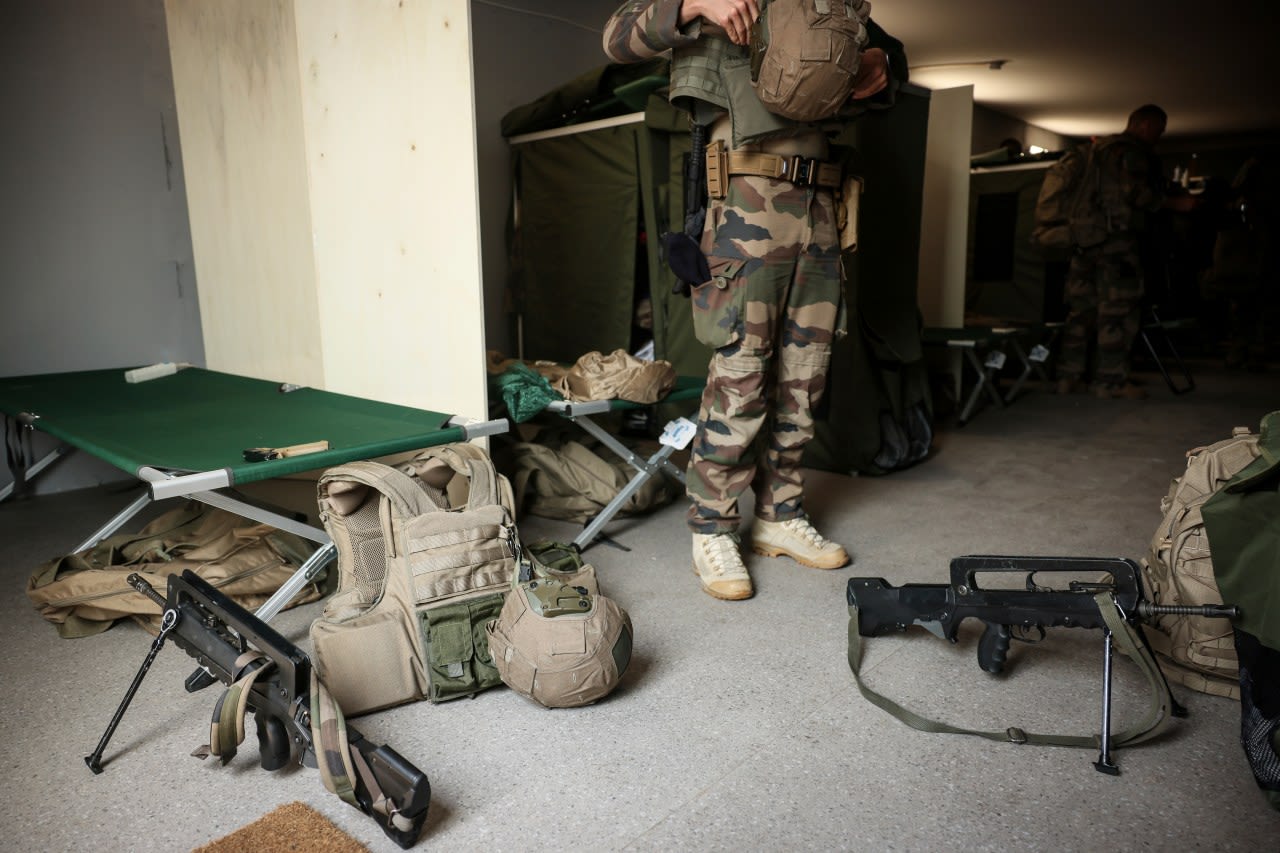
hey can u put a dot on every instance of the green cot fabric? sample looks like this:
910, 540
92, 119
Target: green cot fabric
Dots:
1243, 524
200, 420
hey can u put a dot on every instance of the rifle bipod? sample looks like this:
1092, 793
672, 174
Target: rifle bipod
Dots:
168, 621
1146, 611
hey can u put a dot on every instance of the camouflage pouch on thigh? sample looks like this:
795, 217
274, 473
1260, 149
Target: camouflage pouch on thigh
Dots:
718, 304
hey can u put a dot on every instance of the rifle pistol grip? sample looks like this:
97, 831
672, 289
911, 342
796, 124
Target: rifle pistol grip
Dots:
993, 648
273, 741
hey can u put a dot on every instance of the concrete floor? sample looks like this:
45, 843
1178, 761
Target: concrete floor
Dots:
738, 726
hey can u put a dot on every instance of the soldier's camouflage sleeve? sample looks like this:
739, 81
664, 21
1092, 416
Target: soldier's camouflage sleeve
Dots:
642, 29
1138, 174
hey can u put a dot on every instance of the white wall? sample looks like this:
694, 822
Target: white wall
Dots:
95, 253
387, 93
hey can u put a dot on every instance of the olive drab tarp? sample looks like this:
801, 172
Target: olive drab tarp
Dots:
1008, 276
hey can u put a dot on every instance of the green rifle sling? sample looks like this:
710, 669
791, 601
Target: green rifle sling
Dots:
1157, 711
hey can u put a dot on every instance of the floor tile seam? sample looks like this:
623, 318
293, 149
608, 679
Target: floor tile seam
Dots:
728, 773
684, 804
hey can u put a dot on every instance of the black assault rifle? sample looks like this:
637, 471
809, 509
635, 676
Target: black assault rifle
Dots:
1106, 605
216, 631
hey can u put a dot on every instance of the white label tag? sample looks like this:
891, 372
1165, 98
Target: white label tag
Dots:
1039, 353
995, 360
678, 433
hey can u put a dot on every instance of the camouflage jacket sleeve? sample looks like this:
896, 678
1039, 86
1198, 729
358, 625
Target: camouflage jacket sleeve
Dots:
1139, 175
642, 29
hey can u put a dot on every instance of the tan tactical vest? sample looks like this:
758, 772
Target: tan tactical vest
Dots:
424, 560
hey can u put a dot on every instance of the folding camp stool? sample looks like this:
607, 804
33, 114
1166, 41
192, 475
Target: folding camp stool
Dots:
1161, 328
1033, 359
971, 341
581, 413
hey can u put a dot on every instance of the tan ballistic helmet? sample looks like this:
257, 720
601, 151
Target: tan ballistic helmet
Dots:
805, 55
560, 645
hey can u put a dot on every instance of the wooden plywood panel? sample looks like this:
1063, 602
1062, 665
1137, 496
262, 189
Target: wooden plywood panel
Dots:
235, 73
944, 225
386, 93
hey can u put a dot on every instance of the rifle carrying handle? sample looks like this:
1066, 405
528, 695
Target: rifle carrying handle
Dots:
993, 648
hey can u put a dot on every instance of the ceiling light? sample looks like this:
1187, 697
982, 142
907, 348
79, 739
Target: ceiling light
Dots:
992, 64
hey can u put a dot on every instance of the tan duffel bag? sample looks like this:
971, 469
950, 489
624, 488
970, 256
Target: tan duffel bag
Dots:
86, 593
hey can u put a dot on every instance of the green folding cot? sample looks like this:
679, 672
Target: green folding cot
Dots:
581, 413
186, 435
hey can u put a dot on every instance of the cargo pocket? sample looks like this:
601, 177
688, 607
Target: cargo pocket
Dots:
457, 648
368, 663
718, 303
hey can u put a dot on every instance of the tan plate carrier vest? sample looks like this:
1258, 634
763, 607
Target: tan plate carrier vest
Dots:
412, 550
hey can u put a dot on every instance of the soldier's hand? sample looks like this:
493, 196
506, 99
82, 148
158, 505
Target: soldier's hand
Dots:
735, 17
873, 74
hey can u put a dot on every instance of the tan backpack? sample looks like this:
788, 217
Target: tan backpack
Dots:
425, 555
563, 477
619, 375
1196, 652
805, 55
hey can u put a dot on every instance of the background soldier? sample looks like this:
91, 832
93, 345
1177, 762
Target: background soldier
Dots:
1104, 283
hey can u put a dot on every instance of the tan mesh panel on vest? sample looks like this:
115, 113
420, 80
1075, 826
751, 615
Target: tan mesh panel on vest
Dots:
370, 552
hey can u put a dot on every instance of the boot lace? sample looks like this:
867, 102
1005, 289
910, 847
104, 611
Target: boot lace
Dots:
801, 527
723, 554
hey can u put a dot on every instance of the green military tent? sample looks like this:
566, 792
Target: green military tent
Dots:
598, 167
1008, 277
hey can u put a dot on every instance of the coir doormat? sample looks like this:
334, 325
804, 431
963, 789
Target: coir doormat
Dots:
294, 827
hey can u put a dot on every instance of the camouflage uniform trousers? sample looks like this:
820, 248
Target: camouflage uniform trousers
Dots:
1103, 295
770, 312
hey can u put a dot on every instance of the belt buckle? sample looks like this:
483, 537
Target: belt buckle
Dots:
803, 172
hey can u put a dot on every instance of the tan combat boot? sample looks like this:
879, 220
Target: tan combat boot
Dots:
718, 564
1067, 385
797, 539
